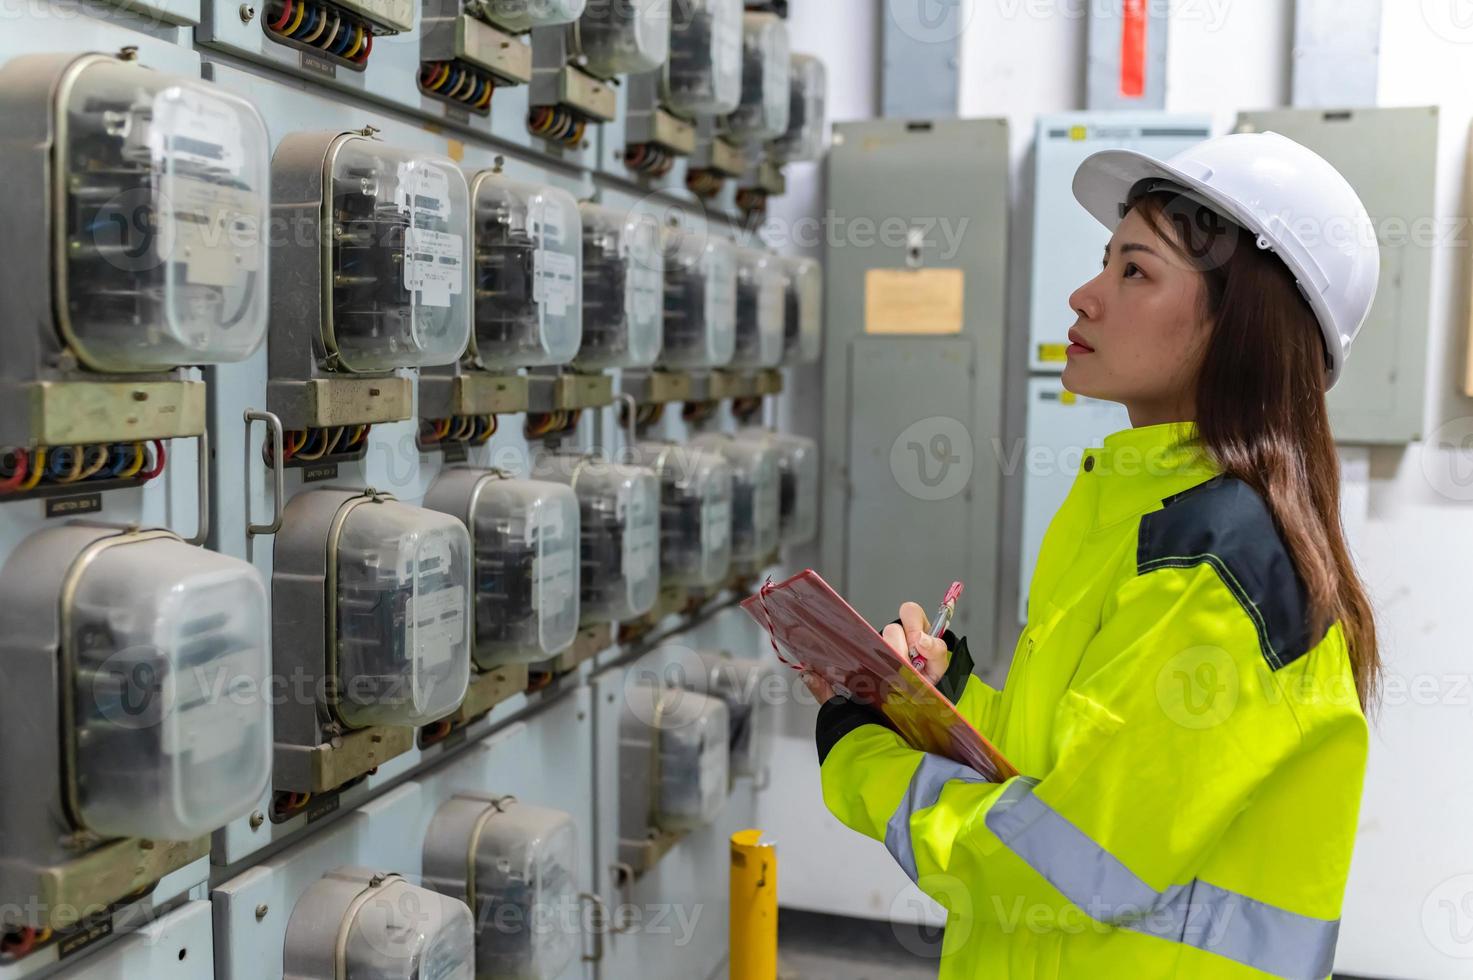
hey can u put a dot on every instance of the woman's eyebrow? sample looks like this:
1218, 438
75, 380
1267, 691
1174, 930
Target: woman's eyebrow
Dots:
1131, 247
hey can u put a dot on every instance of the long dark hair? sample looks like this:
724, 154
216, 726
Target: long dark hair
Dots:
1260, 407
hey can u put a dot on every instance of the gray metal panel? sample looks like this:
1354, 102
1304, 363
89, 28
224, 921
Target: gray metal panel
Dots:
1104, 81
948, 180
1337, 52
909, 449
1390, 157
921, 73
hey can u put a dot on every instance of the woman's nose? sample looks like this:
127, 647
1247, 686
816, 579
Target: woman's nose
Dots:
1084, 302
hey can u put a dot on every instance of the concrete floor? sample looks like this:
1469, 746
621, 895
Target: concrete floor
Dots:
824, 947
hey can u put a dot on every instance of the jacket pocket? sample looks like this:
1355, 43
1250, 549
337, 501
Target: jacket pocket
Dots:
1082, 729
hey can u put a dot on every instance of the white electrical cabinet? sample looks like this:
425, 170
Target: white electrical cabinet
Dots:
1068, 244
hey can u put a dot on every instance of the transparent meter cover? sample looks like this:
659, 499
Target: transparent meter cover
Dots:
620, 508
522, 869
797, 462
802, 311
168, 652
704, 73
163, 198
695, 512
623, 289
403, 615
399, 255
624, 37
737, 681
756, 493
523, 15
766, 79
692, 761
529, 274
808, 117
526, 540
700, 299
760, 324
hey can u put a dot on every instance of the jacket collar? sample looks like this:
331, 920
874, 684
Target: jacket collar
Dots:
1135, 469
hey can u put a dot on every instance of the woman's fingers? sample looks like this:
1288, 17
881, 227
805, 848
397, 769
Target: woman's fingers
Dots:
913, 620
819, 687
895, 636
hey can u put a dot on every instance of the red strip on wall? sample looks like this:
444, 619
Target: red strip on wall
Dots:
1133, 49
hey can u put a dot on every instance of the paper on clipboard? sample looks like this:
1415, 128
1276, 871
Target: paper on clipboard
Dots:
811, 624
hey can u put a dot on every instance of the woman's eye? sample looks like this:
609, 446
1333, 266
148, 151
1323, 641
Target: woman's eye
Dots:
1131, 267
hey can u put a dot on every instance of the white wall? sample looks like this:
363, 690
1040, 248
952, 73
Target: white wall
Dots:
1409, 910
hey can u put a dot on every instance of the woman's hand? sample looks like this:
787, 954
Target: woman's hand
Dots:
820, 688
914, 630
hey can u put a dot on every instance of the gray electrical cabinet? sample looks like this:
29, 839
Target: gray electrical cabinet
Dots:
1390, 158
913, 379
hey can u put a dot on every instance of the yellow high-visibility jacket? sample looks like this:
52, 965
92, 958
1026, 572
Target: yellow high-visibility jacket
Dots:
1191, 756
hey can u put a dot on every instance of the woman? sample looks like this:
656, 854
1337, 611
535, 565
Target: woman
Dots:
1186, 704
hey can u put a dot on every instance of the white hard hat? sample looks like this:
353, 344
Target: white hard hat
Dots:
1298, 205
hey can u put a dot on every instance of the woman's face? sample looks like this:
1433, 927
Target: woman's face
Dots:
1139, 336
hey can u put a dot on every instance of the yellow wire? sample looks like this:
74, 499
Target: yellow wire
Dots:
92, 470
76, 470
38, 466
138, 455
296, 20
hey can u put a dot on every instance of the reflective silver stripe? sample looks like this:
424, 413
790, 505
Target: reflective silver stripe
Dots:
1198, 914
924, 790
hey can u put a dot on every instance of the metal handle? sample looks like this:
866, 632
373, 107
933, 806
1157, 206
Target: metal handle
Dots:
278, 473
202, 442
598, 927
631, 418
624, 881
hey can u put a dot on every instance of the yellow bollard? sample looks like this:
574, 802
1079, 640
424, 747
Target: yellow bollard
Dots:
753, 907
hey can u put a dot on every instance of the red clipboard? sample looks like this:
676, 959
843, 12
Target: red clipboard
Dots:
813, 628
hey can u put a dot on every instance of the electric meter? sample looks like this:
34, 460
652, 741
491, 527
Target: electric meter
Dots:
756, 494
802, 310
739, 682
682, 735
623, 289
767, 81
808, 118
358, 924
161, 657
516, 866
525, 534
619, 37
519, 16
700, 300
760, 326
797, 461
389, 289
371, 602
620, 534
704, 73
529, 274
695, 512
156, 189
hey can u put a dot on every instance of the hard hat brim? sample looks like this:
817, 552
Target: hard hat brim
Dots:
1103, 182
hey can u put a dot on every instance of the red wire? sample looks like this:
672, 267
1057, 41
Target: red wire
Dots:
158, 462
286, 15
18, 477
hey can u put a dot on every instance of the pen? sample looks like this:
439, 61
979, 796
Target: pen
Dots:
943, 619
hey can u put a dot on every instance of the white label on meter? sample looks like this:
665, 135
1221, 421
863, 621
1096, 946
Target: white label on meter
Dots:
641, 551
439, 625
432, 265
645, 292
423, 188
726, 47
552, 581
195, 131
555, 284
717, 519
545, 219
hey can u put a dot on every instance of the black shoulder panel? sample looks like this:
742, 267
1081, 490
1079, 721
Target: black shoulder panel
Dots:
1224, 523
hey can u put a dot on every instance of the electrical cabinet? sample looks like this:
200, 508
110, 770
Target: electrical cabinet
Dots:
1390, 158
1068, 243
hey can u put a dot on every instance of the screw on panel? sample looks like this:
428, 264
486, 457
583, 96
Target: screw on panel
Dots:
261, 911
247, 13
130, 53
257, 819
